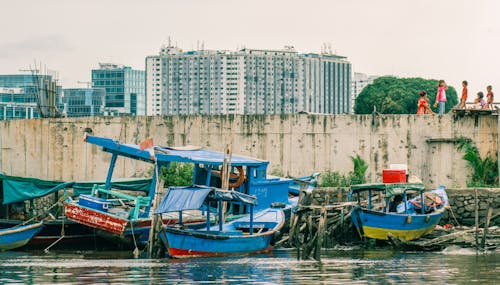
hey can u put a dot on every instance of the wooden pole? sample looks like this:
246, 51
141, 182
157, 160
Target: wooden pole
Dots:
486, 226
154, 218
321, 234
476, 217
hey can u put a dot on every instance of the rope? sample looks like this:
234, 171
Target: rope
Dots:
136, 250
46, 250
455, 218
44, 213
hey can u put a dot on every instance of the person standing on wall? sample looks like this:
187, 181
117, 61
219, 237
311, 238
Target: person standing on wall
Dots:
441, 96
423, 104
463, 99
489, 98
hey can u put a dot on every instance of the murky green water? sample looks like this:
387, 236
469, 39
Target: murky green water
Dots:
344, 266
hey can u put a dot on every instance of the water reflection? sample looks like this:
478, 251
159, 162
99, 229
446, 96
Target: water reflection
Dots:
347, 265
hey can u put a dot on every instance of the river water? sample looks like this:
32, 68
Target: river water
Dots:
339, 266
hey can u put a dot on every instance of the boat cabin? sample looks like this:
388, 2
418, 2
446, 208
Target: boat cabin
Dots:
247, 175
386, 197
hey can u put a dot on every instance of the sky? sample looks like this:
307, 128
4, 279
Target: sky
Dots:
453, 40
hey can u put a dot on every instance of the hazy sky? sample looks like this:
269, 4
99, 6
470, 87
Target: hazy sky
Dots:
439, 39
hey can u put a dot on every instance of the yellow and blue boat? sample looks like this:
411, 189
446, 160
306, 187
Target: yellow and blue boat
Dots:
384, 210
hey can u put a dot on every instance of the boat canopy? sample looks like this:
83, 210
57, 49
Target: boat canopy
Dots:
170, 154
391, 189
18, 189
192, 198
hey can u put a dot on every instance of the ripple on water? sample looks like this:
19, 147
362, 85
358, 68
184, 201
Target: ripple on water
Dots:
340, 266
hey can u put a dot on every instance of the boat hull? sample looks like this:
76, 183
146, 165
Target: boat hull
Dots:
378, 225
234, 239
15, 237
185, 244
95, 219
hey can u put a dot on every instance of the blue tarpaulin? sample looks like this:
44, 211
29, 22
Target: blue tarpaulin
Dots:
192, 198
183, 198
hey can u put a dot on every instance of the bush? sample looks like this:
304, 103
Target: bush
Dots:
357, 176
334, 179
484, 171
177, 174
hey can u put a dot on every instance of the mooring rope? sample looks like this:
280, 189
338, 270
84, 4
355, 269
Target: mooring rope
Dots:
44, 213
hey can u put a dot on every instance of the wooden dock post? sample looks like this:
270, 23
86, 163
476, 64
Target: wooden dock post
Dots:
486, 226
476, 217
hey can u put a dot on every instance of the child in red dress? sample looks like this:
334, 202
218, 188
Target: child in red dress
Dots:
463, 99
423, 104
489, 98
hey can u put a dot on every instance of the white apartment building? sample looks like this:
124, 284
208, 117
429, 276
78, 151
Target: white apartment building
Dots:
248, 81
359, 82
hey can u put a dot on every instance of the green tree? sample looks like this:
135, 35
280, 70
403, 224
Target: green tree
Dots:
391, 95
177, 174
360, 167
484, 171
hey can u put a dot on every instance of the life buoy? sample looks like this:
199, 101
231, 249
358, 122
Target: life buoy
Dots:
240, 176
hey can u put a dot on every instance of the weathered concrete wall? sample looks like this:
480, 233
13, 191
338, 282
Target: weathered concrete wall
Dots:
295, 144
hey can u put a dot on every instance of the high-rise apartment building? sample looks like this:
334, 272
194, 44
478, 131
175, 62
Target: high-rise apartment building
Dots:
125, 94
24, 96
248, 81
84, 102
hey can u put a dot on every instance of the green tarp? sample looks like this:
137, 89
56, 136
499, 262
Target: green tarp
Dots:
18, 189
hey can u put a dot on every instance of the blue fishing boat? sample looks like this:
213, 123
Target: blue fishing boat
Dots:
17, 194
386, 210
11, 238
125, 214
253, 233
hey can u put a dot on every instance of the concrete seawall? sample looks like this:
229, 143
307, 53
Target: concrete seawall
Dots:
294, 144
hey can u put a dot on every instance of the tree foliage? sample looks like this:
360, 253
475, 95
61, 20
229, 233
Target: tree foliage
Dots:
360, 167
177, 174
391, 95
484, 171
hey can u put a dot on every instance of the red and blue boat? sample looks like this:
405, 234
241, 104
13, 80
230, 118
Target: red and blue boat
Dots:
129, 215
386, 211
253, 233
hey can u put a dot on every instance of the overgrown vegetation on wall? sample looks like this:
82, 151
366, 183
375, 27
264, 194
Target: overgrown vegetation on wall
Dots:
484, 170
357, 176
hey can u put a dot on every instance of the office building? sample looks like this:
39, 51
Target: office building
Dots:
24, 96
248, 81
84, 102
124, 89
